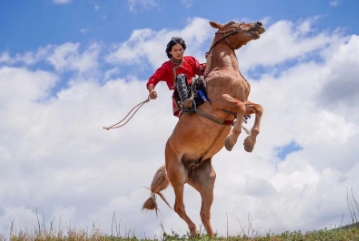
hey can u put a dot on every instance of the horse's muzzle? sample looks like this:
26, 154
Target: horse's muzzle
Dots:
258, 27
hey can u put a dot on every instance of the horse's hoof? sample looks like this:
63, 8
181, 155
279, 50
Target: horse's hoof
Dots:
249, 143
193, 232
229, 144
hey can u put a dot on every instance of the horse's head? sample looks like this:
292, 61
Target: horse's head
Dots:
237, 34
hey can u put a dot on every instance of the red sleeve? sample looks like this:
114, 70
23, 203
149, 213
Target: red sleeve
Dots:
202, 68
196, 66
160, 74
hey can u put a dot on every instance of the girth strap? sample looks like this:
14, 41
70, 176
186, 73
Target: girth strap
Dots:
225, 122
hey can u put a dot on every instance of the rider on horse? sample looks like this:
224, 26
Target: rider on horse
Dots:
178, 72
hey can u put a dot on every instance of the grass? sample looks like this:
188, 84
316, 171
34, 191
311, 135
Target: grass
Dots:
347, 233
350, 234
343, 233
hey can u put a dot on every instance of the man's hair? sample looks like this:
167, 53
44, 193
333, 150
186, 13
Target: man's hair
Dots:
174, 41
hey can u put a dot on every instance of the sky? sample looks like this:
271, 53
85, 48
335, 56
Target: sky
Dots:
70, 67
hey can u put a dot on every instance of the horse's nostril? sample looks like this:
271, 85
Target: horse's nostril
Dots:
259, 24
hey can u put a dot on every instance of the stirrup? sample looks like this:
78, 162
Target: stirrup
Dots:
190, 110
188, 102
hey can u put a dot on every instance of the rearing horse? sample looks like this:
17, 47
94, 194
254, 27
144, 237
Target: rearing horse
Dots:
198, 137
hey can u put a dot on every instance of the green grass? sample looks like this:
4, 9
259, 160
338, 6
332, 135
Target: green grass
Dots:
346, 233
339, 234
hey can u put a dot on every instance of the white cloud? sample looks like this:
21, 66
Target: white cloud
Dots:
27, 58
97, 7
68, 57
55, 156
65, 57
20, 84
61, 1
283, 41
151, 45
339, 89
111, 72
134, 5
334, 3
22, 217
187, 3
84, 30
5, 57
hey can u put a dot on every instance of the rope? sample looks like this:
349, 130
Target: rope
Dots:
136, 108
223, 122
210, 117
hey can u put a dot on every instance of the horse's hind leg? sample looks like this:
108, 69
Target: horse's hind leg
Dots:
252, 108
202, 179
177, 175
232, 138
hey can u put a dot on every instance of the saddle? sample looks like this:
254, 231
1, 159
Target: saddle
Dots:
198, 94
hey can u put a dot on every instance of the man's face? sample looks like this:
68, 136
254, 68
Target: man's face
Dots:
177, 51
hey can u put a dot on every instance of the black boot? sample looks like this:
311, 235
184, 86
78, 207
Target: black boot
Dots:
184, 91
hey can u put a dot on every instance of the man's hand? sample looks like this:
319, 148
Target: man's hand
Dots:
153, 94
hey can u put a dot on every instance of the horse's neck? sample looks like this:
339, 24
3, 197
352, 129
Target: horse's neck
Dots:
225, 59
222, 58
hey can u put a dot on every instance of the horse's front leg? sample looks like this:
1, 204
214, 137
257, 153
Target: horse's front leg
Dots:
253, 108
232, 138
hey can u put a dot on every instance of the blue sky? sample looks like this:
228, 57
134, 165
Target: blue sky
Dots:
70, 67
29, 24
32, 25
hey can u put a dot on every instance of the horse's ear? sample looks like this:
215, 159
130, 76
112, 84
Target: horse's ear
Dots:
215, 25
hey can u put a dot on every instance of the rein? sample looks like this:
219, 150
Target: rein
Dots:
234, 31
135, 109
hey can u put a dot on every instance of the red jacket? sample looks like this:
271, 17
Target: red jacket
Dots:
167, 72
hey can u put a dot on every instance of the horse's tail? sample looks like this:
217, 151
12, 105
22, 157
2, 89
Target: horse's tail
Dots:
160, 182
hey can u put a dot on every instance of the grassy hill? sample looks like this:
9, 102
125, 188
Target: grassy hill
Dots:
346, 233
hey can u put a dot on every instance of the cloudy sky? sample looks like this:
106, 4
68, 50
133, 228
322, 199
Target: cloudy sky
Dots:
70, 67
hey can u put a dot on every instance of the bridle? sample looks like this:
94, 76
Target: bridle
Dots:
225, 35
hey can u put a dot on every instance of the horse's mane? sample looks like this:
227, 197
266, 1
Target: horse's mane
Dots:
209, 61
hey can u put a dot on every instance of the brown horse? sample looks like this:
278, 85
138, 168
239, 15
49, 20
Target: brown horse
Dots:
198, 137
